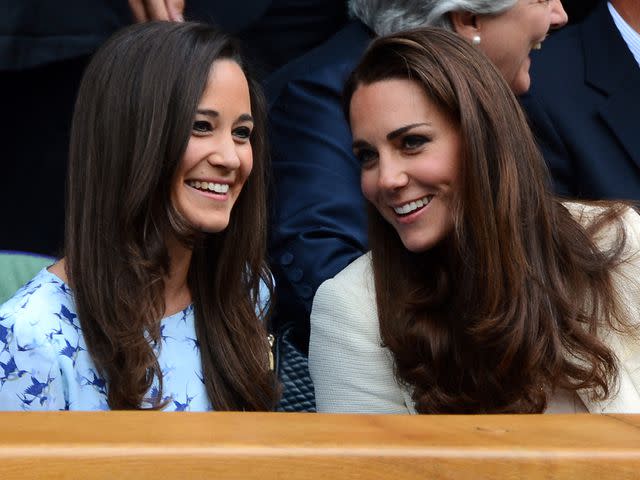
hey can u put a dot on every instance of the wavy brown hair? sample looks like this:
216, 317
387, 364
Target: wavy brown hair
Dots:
511, 305
131, 126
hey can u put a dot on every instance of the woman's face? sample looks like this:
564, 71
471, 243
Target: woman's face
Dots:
508, 38
218, 158
410, 156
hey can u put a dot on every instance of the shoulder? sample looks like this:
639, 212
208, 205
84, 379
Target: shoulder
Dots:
35, 327
328, 65
584, 213
347, 302
354, 281
626, 226
39, 305
628, 222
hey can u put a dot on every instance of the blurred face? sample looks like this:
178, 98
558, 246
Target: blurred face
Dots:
409, 153
218, 158
509, 37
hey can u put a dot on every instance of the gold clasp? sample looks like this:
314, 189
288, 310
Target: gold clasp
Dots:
272, 341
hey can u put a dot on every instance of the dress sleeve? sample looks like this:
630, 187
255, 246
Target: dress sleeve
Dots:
351, 371
30, 377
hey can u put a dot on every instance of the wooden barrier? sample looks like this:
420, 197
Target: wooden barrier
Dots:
152, 445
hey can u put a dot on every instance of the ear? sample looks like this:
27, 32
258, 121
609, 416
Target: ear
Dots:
464, 24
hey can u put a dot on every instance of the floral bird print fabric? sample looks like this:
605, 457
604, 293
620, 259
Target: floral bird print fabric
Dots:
44, 363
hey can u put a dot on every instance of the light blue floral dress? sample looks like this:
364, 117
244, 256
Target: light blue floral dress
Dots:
44, 363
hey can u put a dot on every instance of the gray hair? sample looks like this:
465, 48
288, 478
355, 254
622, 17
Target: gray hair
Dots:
391, 16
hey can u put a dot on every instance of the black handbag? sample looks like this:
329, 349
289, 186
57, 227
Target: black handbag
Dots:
292, 368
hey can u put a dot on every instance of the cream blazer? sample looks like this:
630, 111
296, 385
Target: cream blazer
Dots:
353, 373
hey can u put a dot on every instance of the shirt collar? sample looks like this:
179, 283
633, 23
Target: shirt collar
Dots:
629, 35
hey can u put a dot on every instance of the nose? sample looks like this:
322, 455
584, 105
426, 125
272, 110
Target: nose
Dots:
391, 175
559, 17
224, 154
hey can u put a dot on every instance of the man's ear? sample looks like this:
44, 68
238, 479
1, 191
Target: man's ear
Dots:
465, 24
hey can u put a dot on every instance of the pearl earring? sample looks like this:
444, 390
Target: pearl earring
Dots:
476, 40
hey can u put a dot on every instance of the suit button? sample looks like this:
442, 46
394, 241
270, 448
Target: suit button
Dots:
286, 258
295, 275
305, 292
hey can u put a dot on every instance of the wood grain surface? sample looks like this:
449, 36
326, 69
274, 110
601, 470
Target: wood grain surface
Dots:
133, 445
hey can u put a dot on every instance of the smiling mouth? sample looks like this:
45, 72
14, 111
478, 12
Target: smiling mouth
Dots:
221, 188
411, 207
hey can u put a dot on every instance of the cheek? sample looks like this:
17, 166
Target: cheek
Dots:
509, 57
193, 154
368, 184
179, 178
246, 162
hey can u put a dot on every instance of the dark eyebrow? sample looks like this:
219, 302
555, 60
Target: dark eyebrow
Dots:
400, 131
360, 144
208, 113
245, 117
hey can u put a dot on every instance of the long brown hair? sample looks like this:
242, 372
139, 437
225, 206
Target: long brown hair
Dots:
131, 126
510, 306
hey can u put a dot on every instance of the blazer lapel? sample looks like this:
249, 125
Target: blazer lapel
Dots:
611, 68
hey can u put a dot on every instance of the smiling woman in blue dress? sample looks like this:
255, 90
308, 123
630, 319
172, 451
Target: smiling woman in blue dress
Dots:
482, 293
160, 299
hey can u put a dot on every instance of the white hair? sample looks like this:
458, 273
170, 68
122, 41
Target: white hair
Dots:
390, 16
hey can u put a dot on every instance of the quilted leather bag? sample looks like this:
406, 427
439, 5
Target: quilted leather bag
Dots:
292, 367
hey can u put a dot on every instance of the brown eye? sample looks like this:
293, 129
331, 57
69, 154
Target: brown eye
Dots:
411, 142
243, 133
202, 126
366, 157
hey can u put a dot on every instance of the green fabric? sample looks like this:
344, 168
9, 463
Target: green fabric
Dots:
16, 269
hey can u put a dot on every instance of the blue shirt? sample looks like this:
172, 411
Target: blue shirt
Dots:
44, 363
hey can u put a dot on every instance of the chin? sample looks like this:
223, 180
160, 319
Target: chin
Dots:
416, 246
521, 84
425, 241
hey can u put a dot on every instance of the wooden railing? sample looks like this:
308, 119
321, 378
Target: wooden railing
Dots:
151, 445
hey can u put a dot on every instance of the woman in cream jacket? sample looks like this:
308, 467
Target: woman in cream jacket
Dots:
482, 293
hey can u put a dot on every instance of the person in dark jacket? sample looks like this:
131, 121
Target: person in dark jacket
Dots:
586, 83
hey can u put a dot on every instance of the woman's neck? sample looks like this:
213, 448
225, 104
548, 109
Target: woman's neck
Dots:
58, 269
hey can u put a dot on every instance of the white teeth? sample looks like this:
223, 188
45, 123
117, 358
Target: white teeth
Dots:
537, 46
412, 206
213, 187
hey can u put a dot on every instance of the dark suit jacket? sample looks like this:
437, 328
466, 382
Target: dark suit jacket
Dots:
38, 32
319, 218
583, 106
